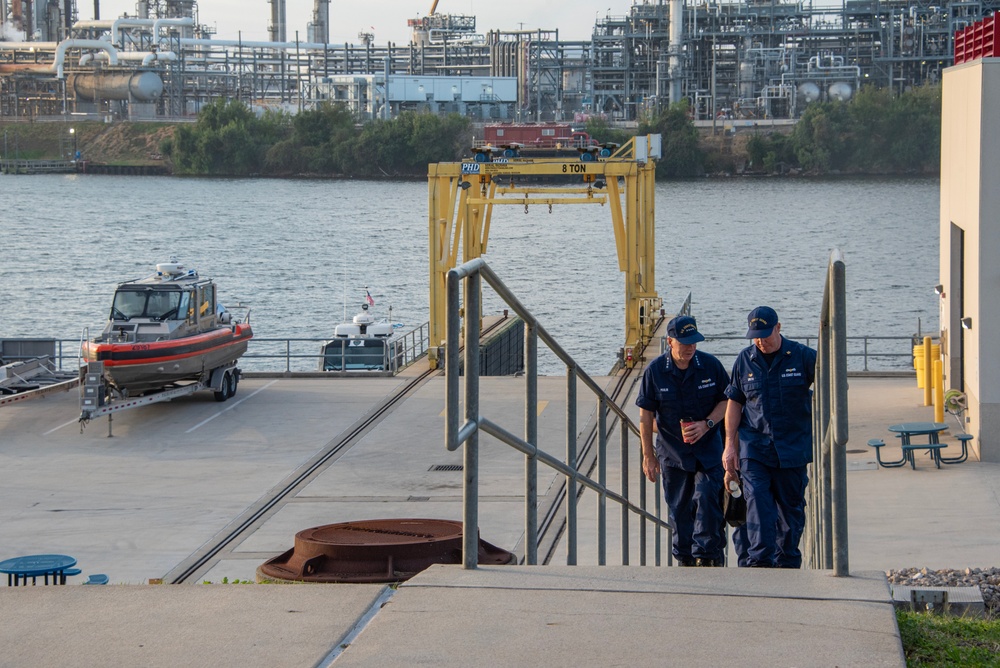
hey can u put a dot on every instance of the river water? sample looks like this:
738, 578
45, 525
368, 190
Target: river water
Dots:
297, 251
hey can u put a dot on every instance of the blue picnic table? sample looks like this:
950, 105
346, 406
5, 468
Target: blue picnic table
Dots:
932, 430
35, 566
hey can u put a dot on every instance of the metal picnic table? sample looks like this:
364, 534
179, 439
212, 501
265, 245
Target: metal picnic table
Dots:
907, 430
34, 566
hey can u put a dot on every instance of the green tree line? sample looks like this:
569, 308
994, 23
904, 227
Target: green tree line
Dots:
229, 139
875, 132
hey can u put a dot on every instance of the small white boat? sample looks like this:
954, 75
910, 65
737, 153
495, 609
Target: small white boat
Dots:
363, 344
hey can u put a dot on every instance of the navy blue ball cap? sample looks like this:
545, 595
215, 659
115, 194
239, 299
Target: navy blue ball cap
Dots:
684, 329
761, 322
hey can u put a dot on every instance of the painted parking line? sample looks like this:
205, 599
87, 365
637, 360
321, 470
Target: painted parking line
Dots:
229, 408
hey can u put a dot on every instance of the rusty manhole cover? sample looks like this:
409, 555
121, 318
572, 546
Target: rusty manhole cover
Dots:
388, 550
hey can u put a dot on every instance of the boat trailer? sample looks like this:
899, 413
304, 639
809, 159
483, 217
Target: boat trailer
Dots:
98, 399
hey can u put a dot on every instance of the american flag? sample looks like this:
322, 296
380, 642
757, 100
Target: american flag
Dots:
368, 298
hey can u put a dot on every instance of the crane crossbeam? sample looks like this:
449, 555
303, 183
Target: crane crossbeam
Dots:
544, 191
460, 215
532, 201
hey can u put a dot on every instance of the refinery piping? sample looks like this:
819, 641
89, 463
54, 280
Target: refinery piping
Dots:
732, 60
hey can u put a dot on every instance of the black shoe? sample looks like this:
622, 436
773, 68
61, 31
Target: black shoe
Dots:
700, 561
687, 561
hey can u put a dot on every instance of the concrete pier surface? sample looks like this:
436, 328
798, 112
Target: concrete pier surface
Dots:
148, 502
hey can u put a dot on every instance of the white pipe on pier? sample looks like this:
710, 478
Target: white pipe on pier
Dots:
66, 44
29, 46
158, 24
253, 45
116, 26
147, 57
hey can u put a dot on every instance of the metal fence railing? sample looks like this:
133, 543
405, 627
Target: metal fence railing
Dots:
289, 355
863, 353
459, 433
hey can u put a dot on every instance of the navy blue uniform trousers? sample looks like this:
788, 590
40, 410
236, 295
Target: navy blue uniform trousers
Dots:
695, 511
776, 496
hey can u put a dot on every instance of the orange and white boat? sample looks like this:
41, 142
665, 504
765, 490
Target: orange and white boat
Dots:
167, 328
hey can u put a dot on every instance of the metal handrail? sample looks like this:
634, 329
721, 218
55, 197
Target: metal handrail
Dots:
467, 433
826, 523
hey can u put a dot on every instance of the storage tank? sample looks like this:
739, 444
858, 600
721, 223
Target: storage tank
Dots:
140, 86
840, 91
746, 80
809, 92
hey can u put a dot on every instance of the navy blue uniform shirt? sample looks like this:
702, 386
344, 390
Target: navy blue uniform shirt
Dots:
673, 393
776, 428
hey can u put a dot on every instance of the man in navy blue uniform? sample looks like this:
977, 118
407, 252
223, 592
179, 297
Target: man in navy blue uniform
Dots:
769, 439
686, 385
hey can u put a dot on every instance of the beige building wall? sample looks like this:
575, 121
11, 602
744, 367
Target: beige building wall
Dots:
970, 244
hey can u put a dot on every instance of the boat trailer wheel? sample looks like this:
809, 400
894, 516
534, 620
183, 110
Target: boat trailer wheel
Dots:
228, 387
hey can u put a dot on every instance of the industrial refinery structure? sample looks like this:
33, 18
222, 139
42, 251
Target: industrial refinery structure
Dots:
738, 59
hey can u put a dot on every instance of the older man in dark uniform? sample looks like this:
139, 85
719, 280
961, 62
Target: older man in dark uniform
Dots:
683, 390
769, 439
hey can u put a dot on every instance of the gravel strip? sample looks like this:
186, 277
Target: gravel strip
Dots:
987, 579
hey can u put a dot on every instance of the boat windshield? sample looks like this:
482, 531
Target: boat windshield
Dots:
155, 304
356, 355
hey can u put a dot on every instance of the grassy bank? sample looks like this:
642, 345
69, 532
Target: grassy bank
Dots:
107, 143
931, 640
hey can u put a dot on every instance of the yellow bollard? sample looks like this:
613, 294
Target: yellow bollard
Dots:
918, 363
927, 371
938, 391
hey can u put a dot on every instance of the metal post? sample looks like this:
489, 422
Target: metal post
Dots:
658, 530
531, 436
602, 479
928, 370
840, 421
571, 462
624, 486
642, 520
470, 549
824, 439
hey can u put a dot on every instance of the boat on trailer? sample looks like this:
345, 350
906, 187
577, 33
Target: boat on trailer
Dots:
168, 328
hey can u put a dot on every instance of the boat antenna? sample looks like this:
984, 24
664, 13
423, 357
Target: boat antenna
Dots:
343, 262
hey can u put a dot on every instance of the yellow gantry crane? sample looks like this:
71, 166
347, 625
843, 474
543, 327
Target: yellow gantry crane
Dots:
461, 197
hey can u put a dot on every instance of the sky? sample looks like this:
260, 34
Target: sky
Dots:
248, 19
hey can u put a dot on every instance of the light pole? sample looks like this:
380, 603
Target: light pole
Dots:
72, 133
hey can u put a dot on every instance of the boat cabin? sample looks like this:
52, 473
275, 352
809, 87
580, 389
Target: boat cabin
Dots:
172, 302
362, 345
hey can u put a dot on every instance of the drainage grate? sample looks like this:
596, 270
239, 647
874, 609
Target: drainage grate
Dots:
857, 452
447, 467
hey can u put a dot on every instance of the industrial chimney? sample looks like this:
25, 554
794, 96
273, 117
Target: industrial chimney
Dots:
319, 30
277, 27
